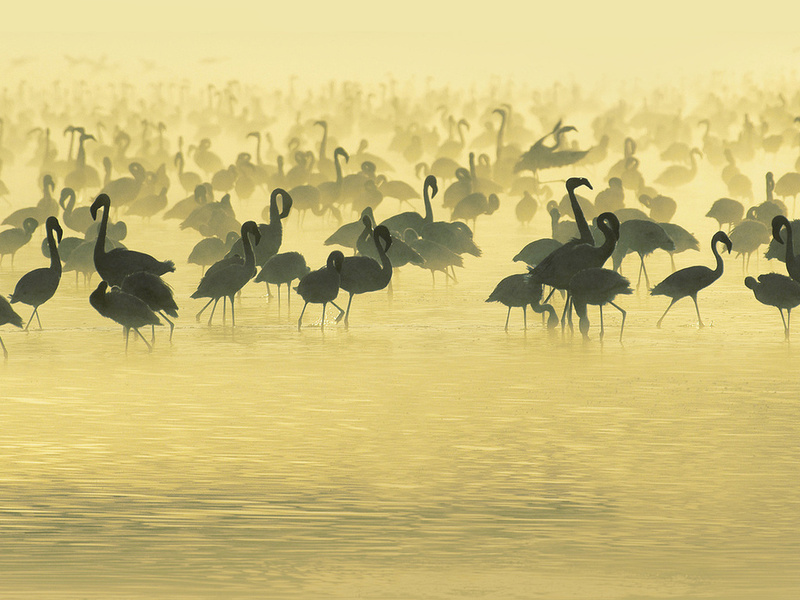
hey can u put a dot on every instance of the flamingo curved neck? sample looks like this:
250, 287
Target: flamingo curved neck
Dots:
55, 261
790, 262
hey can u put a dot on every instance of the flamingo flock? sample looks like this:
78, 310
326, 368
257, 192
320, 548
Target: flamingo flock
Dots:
170, 159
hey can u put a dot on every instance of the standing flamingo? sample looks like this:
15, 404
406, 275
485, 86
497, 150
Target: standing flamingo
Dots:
689, 281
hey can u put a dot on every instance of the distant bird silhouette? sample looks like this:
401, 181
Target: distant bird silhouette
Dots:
536, 251
361, 274
347, 235
789, 185
792, 261
46, 207
210, 250
682, 239
612, 198
12, 240
726, 211
125, 189
642, 237
780, 291
78, 219
321, 286
597, 286
283, 269
437, 257
7, 315
678, 175
154, 292
747, 237
689, 281
526, 208
117, 264
662, 208
127, 310
519, 290
183, 208
227, 280
189, 180
38, 286
470, 207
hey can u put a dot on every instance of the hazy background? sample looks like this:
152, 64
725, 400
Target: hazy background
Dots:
360, 39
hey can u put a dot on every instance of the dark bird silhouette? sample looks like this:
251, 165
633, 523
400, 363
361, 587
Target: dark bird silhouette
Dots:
117, 264
519, 290
597, 286
321, 286
153, 291
226, 281
38, 286
12, 240
457, 237
271, 234
282, 269
361, 274
557, 269
7, 315
792, 261
412, 219
780, 291
127, 310
689, 281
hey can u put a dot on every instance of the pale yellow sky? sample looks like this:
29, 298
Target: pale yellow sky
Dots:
361, 39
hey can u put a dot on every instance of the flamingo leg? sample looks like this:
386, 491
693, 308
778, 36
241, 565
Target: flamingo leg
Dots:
5, 352
213, 308
300, 320
524, 317
127, 331
146, 343
508, 314
322, 322
31, 319
646, 278
697, 308
347, 314
624, 314
233, 315
171, 325
672, 260
602, 328
788, 325
638, 281
197, 316
341, 312
224, 306
665, 312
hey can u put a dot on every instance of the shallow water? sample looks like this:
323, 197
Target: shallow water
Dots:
423, 452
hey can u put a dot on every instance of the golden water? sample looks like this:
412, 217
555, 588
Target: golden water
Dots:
422, 453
